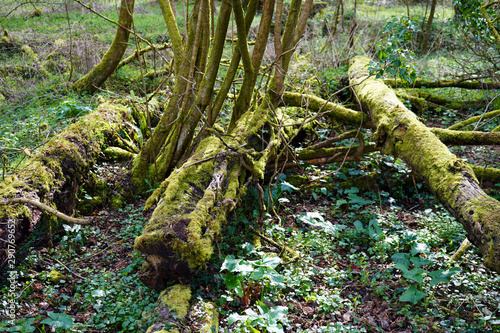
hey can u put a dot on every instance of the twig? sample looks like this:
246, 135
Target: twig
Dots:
66, 267
270, 241
46, 208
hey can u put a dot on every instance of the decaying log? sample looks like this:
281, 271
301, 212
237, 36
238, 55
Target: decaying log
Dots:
192, 203
465, 138
174, 308
52, 176
399, 132
458, 83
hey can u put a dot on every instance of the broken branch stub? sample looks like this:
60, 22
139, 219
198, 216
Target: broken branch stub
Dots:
399, 132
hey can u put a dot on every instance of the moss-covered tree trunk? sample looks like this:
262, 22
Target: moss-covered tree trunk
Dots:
100, 73
192, 204
399, 132
52, 176
193, 201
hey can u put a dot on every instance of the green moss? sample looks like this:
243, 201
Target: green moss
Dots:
10, 188
206, 313
175, 300
55, 277
116, 201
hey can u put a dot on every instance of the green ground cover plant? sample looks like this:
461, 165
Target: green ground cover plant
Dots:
347, 255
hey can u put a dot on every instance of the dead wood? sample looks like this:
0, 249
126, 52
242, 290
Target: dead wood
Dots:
399, 132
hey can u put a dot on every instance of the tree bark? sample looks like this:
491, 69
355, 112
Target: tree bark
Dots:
428, 25
458, 83
399, 132
192, 203
100, 73
53, 176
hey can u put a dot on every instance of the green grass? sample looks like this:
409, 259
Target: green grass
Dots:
369, 11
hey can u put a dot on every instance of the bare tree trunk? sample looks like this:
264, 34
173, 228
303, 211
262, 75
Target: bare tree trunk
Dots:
100, 73
428, 25
399, 132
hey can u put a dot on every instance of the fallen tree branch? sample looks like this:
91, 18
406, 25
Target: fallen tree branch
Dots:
400, 133
138, 53
463, 138
472, 120
459, 83
46, 208
461, 250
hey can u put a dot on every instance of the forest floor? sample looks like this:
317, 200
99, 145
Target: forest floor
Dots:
349, 276
372, 256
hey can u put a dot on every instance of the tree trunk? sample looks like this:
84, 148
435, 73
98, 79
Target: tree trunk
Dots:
400, 133
192, 203
458, 83
53, 176
100, 73
427, 32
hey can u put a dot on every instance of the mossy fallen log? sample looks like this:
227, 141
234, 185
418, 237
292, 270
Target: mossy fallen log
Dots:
174, 308
399, 132
53, 175
422, 100
457, 83
192, 203
465, 138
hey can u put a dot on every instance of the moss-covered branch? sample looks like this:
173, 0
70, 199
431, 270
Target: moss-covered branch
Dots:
45, 208
332, 110
399, 132
486, 174
475, 119
458, 83
457, 138
138, 53
100, 73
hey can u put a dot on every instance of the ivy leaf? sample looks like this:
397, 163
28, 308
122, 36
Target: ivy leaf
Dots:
443, 275
401, 258
412, 295
420, 261
234, 317
58, 320
415, 274
271, 262
231, 281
